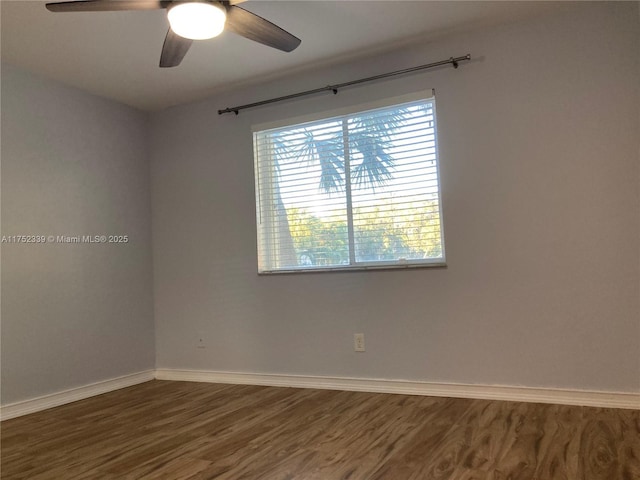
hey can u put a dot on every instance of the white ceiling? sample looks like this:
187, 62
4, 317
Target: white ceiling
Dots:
116, 54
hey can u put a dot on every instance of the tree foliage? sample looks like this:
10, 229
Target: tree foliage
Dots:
380, 233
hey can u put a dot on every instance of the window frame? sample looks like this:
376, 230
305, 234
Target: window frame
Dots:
424, 95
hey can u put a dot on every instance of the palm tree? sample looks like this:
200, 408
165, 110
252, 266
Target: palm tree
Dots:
369, 139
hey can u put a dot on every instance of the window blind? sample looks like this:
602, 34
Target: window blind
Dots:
352, 191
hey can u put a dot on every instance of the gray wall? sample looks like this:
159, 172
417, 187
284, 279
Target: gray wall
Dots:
540, 168
72, 164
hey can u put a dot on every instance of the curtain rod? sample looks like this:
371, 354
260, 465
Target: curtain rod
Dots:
334, 88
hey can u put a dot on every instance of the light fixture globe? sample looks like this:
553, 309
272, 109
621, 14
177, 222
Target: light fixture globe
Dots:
197, 20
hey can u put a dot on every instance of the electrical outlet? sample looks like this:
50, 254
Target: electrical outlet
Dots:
358, 342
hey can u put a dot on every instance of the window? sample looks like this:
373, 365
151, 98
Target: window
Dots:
354, 191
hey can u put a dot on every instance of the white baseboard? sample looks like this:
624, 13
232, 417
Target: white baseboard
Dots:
67, 396
488, 392
407, 387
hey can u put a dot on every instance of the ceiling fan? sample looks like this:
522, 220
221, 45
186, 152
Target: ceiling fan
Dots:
193, 20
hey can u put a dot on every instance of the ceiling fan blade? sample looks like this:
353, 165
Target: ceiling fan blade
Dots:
256, 28
174, 49
106, 5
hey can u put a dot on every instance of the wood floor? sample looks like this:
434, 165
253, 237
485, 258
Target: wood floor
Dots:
197, 431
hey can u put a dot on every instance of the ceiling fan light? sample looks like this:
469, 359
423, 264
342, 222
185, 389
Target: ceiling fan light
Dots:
197, 20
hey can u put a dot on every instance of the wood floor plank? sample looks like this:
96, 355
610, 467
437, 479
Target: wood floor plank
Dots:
419, 457
352, 440
629, 448
275, 439
609, 445
560, 452
487, 424
524, 442
197, 431
174, 468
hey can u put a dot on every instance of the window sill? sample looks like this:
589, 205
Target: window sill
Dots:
357, 268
